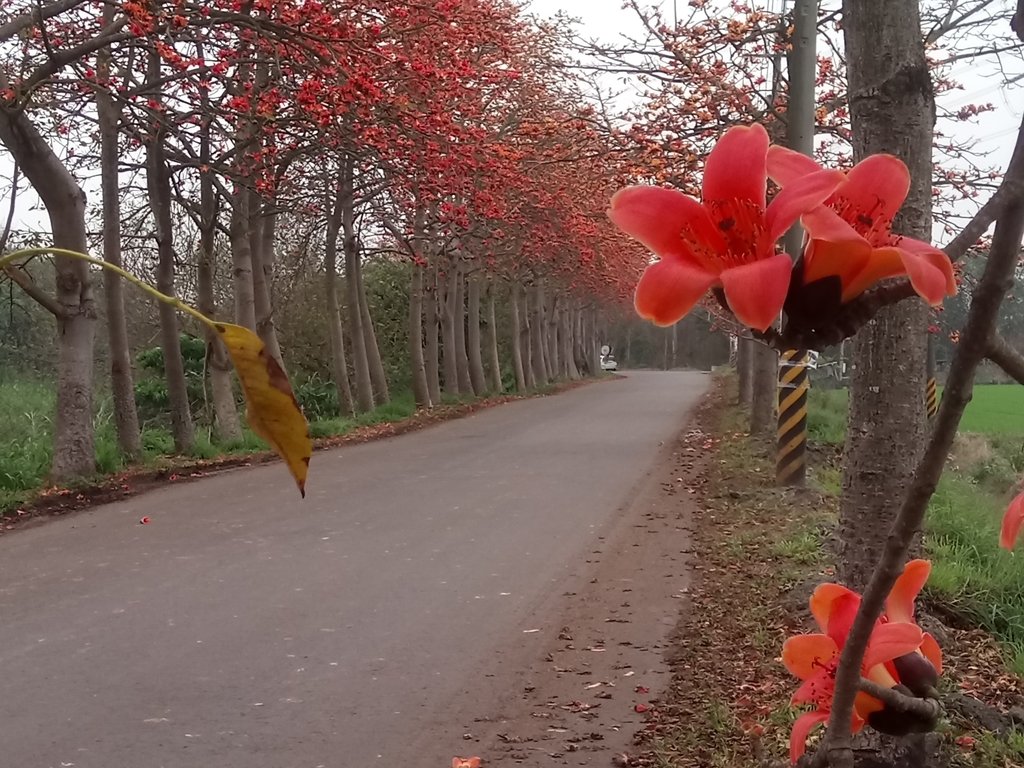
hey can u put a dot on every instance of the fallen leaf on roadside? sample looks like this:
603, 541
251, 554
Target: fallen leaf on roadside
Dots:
272, 410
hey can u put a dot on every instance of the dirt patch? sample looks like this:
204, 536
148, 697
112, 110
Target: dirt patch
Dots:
56, 501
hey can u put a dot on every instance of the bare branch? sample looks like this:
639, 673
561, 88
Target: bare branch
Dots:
29, 286
1006, 357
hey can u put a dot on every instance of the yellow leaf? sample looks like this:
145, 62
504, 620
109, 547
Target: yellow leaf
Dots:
273, 412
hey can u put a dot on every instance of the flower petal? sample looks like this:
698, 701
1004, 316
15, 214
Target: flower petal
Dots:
669, 289
806, 655
658, 218
823, 601
938, 257
899, 605
737, 168
882, 263
931, 651
1013, 520
801, 730
798, 198
756, 291
786, 165
928, 273
835, 248
890, 641
877, 184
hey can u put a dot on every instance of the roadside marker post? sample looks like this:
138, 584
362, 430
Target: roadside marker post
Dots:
791, 455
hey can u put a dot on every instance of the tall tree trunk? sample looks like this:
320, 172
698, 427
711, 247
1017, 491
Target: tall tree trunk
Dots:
765, 384
521, 339
446, 298
420, 390
74, 454
892, 110
494, 361
360, 362
241, 258
126, 416
263, 233
555, 369
745, 370
566, 336
476, 362
339, 365
459, 316
227, 426
431, 361
540, 371
594, 345
378, 377
158, 178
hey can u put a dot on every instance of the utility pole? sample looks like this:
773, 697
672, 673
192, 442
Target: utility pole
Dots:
791, 464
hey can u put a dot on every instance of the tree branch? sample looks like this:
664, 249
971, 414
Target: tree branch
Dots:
29, 286
1006, 357
924, 710
1009, 190
988, 297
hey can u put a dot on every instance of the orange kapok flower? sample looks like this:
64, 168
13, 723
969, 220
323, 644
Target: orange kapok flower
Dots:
898, 654
851, 245
726, 240
1013, 521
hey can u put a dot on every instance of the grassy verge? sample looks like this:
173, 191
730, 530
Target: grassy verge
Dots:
760, 551
26, 443
973, 581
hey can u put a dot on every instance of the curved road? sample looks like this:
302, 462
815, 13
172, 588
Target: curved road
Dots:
244, 628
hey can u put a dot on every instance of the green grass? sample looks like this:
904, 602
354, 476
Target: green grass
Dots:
26, 439
970, 575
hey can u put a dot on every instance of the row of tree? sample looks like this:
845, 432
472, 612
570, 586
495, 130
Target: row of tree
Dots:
240, 146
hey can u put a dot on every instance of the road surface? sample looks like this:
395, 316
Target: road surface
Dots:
244, 628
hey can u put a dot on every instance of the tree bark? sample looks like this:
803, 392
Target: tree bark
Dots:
420, 390
892, 110
446, 302
126, 416
431, 361
262, 237
520, 340
360, 362
476, 363
241, 258
377, 376
567, 337
551, 309
158, 181
745, 370
765, 386
494, 361
74, 453
459, 318
339, 365
540, 369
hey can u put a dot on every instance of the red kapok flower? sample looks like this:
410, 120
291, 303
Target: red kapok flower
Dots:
726, 240
1013, 521
850, 236
898, 654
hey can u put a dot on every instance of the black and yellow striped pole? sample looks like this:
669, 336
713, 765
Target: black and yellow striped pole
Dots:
931, 391
791, 456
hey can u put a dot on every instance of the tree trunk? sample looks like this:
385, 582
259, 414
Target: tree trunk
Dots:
892, 110
241, 258
745, 370
567, 337
459, 317
476, 362
262, 236
431, 362
158, 181
494, 362
540, 370
446, 298
420, 390
377, 376
555, 370
126, 415
339, 365
765, 385
74, 453
520, 340
360, 362
594, 345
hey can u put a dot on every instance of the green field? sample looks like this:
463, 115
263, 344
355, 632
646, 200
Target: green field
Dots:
971, 576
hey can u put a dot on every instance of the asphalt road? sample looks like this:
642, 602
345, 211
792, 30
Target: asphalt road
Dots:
244, 628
